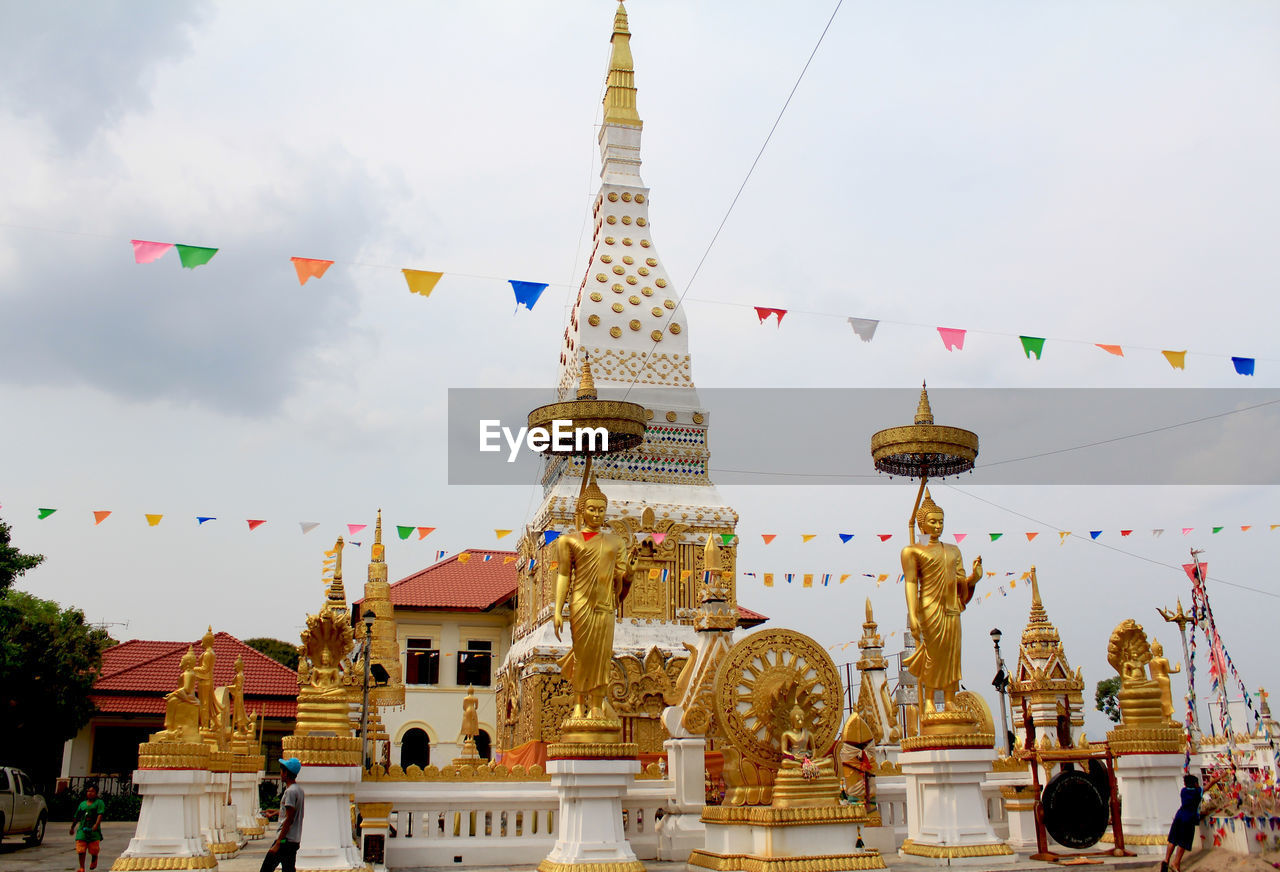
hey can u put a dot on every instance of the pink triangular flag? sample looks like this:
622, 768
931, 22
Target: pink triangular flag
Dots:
352, 529
1186, 530
145, 252
658, 538
253, 525
952, 338
959, 537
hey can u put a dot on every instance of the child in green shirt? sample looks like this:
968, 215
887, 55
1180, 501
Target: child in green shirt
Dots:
87, 826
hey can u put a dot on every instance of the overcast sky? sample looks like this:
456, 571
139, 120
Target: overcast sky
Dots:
1099, 172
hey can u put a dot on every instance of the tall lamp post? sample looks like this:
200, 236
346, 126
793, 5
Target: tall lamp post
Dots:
369, 618
1001, 684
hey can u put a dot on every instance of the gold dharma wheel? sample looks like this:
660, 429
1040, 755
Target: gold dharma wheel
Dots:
761, 679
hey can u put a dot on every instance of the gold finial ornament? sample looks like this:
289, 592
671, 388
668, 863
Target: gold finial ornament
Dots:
924, 414
586, 384
620, 95
377, 554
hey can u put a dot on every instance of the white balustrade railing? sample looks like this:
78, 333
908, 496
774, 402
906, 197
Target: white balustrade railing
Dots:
494, 823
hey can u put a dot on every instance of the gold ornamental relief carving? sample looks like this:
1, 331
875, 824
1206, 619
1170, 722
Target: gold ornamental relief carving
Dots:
750, 863
146, 864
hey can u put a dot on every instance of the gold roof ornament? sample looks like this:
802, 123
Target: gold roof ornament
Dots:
387, 685
620, 94
586, 384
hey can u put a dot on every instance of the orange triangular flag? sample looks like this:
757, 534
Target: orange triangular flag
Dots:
510, 558
808, 536
253, 525
424, 532
1112, 349
99, 517
1031, 536
1244, 528
153, 519
1177, 359
309, 268
768, 537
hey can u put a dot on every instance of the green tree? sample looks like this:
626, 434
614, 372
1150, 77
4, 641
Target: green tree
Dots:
1105, 697
281, 652
49, 659
12, 561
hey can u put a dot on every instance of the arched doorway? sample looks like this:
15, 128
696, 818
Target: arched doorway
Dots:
415, 749
483, 743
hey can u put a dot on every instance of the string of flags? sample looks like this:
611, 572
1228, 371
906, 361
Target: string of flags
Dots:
420, 282
406, 531
953, 339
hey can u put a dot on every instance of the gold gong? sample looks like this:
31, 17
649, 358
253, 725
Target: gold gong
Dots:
761, 679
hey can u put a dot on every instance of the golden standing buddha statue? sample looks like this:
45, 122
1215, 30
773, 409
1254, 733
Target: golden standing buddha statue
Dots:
594, 567
937, 592
1160, 671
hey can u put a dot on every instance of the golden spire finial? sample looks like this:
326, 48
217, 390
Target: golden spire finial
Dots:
620, 97
711, 554
1035, 589
871, 619
924, 414
377, 552
336, 596
586, 384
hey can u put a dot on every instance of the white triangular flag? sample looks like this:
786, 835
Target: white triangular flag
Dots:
1157, 532
308, 526
864, 327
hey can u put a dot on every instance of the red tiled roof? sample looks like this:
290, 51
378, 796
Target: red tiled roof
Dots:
474, 586
144, 667
122, 704
478, 585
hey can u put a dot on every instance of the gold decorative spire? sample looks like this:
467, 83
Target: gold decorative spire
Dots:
586, 384
378, 551
1038, 614
336, 597
620, 97
924, 414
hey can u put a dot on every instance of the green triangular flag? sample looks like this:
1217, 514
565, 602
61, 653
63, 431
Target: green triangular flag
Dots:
1032, 345
726, 538
193, 256
44, 513
1217, 529
403, 531
995, 536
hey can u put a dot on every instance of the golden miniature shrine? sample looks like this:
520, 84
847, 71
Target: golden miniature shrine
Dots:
1145, 724
1043, 679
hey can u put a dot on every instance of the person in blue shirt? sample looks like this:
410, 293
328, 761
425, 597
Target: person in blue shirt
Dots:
284, 850
1183, 830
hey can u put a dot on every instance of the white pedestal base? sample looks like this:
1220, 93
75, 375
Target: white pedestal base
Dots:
590, 821
681, 830
763, 839
244, 795
946, 813
218, 819
1150, 786
169, 823
327, 841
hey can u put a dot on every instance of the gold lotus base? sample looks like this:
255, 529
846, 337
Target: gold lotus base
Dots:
225, 850
1109, 837
590, 730
173, 755
948, 742
951, 852
323, 750
628, 866
1159, 739
138, 864
792, 790
752, 863
768, 816
592, 751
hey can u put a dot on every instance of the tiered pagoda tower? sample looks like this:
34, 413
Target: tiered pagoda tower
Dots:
629, 324
1044, 679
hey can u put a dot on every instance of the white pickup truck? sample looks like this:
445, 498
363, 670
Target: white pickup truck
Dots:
22, 810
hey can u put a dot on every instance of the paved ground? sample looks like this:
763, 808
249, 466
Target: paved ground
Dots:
58, 854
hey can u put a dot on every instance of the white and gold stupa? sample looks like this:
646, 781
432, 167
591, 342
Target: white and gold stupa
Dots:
629, 325
1043, 678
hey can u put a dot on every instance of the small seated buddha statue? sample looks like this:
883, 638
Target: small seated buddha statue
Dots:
182, 707
803, 780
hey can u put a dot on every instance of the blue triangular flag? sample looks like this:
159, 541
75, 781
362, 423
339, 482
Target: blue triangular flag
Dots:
201, 520
527, 293
1243, 365
845, 537
1094, 534
549, 536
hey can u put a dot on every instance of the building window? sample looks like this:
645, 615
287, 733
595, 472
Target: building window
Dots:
415, 749
422, 663
475, 664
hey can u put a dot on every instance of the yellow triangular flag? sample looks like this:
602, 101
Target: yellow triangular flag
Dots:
464, 557
1177, 359
807, 536
421, 281
501, 533
880, 579
808, 579
768, 579
510, 558
844, 578
154, 519
1062, 536
331, 553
